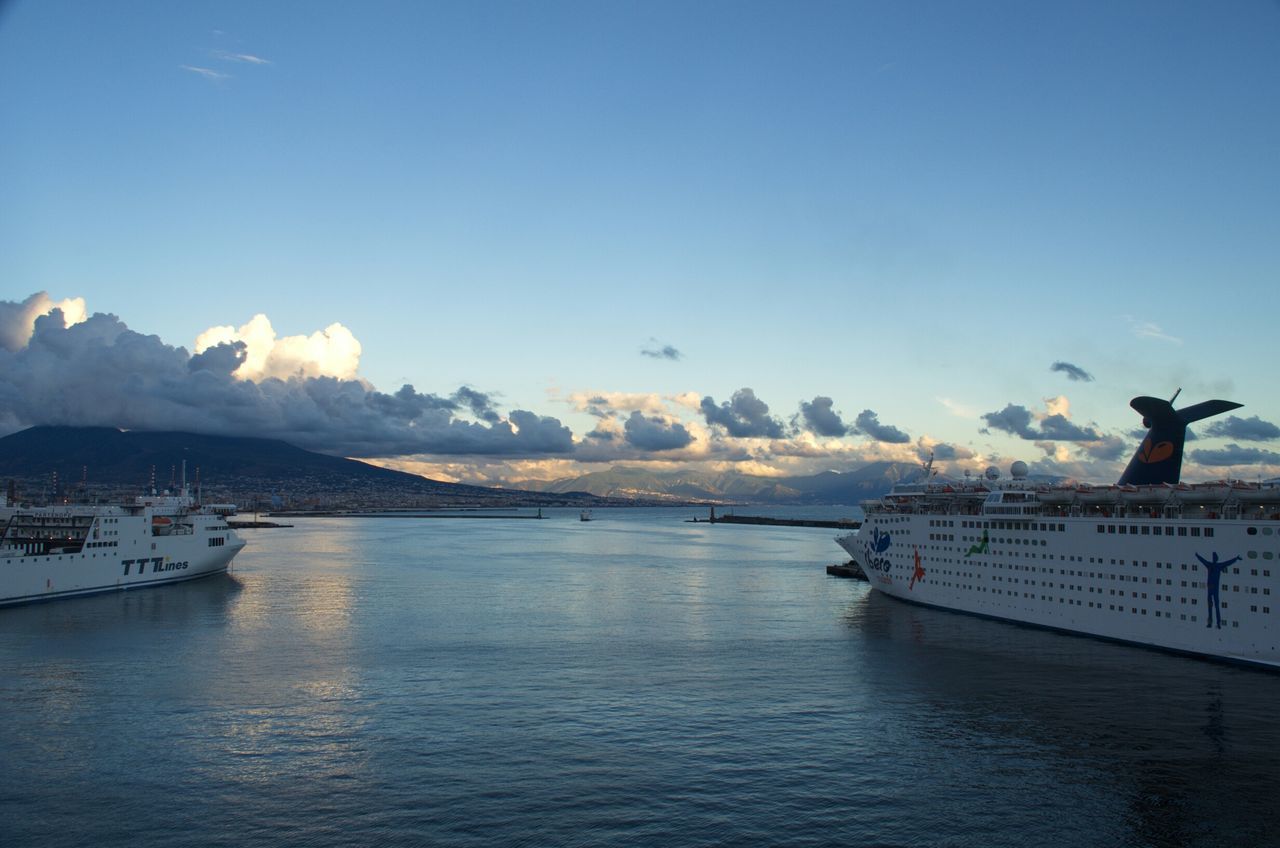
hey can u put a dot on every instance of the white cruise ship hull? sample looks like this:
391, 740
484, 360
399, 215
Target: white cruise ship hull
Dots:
1141, 581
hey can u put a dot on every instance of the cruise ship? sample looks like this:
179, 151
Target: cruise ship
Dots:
1193, 569
69, 550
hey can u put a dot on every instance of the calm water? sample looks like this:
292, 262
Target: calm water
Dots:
634, 680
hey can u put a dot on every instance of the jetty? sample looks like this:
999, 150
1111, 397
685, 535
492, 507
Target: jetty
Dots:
770, 521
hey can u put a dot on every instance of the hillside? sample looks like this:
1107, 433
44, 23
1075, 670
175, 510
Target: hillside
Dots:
239, 466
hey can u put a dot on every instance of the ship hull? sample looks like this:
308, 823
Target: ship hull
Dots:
1202, 588
120, 550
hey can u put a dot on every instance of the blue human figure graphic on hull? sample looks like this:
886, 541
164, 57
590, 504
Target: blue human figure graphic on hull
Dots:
1214, 570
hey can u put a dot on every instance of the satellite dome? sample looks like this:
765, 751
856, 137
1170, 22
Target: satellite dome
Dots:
1018, 470
993, 473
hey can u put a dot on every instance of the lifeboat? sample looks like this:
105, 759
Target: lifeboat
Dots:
1254, 493
1156, 494
1056, 495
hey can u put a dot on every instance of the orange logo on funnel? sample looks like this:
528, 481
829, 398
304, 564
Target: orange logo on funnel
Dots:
1150, 453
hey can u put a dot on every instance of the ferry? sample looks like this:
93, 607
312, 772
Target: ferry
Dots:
1151, 561
69, 550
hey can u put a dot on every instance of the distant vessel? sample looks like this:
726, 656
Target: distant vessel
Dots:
64, 551
1150, 561
585, 515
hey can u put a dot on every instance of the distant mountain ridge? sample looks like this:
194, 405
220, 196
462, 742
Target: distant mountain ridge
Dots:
120, 458
828, 487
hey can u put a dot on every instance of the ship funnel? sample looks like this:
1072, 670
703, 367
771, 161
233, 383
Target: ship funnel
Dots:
1159, 457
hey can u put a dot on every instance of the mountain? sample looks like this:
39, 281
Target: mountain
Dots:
829, 487
238, 466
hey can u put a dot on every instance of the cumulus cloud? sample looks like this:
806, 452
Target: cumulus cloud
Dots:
99, 372
942, 450
743, 416
1059, 428
18, 320
868, 422
1233, 454
480, 404
1073, 372
1053, 426
655, 434
820, 418
1252, 429
1109, 448
331, 352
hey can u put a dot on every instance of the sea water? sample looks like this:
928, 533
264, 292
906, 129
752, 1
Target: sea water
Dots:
632, 680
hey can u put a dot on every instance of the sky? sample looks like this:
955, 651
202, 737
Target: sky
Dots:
777, 238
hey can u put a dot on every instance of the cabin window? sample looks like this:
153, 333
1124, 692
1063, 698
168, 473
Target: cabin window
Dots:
1208, 531
1101, 528
1252, 531
1182, 531
1195, 531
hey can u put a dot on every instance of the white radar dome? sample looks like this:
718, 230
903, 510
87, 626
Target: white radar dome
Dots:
993, 473
1018, 470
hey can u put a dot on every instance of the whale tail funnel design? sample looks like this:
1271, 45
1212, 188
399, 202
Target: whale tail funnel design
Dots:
1159, 457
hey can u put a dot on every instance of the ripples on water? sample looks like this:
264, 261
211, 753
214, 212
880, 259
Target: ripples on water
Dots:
633, 680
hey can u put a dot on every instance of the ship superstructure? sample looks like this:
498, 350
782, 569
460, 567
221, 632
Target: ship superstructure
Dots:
1189, 568
76, 549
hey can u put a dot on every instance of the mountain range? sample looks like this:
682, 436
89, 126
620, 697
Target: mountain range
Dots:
239, 466
829, 487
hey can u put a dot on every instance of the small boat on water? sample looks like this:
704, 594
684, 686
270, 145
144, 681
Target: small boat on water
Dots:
585, 516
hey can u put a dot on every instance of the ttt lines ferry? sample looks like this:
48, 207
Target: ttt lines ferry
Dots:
63, 551
1149, 561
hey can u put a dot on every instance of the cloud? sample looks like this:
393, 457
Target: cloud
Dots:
664, 352
743, 416
1148, 330
331, 352
957, 409
654, 434
1109, 448
1058, 428
1233, 454
1073, 372
18, 320
941, 450
480, 404
100, 373
207, 73
820, 418
604, 404
1054, 425
246, 58
868, 422
1252, 429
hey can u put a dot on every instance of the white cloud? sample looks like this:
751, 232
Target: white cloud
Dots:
331, 352
958, 409
207, 73
18, 320
1149, 330
247, 58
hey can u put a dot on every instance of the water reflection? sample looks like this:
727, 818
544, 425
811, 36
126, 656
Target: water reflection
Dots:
1187, 746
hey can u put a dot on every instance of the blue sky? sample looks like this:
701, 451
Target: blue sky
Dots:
911, 208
